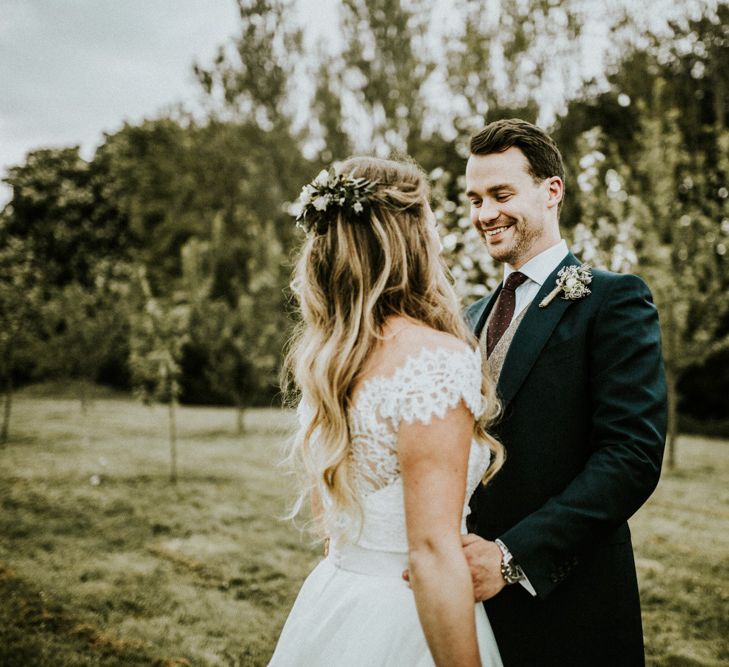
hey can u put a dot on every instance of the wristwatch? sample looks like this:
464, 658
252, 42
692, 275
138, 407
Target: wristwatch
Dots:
510, 571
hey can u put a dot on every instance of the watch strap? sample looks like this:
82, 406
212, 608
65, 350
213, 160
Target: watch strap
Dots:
510, 570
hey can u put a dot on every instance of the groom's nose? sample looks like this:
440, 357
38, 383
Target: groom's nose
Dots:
487, 214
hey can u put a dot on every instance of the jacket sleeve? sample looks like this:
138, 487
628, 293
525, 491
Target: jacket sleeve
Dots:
628, 426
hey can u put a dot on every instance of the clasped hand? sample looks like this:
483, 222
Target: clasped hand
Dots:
484, 560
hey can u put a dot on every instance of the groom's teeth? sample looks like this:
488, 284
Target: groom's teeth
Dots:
491, 232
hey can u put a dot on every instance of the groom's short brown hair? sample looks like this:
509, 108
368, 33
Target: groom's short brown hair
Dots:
538, 147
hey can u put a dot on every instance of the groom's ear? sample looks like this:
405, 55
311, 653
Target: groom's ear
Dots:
555, 191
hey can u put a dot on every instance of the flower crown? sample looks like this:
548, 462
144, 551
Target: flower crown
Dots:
329, 192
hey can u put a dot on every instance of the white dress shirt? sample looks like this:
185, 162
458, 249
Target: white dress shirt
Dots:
537, 270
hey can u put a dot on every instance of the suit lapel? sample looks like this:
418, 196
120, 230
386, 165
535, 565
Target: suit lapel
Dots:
484, 314
532, 334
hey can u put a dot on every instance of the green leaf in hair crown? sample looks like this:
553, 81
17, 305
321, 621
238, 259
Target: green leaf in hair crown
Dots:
330, 193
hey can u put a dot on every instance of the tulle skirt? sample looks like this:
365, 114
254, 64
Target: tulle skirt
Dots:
354, 609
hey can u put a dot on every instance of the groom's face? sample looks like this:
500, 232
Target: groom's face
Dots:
509, 207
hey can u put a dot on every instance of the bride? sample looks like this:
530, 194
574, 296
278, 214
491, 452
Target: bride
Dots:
392, 440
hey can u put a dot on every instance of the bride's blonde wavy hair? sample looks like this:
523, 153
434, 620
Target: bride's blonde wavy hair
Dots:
349, 281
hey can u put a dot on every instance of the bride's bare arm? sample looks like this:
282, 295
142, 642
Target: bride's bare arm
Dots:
433, 464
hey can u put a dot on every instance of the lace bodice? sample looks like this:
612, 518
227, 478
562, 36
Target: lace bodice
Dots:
429, 383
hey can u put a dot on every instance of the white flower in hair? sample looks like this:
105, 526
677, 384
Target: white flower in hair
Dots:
306, 194
322, 178
329, 192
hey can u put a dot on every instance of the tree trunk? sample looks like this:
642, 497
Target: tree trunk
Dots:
6, 409
671, 383
173, 441
85, 418
84, 398
240, 414
719, 90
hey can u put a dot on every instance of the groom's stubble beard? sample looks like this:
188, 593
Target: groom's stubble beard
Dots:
526, 235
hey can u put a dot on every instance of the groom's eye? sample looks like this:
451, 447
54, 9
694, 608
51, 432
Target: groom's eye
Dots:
503, 196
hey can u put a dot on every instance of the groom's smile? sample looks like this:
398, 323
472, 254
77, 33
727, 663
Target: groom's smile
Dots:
496, 233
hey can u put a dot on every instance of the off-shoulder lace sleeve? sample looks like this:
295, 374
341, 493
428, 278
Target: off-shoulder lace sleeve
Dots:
432, 382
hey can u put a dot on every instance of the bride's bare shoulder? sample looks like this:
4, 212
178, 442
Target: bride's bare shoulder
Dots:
414, 335
405, 338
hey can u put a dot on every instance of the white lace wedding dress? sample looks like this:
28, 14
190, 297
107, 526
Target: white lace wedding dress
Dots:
354, 609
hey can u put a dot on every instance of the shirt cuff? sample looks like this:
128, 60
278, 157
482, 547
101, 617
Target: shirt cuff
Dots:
523, 579
527, 585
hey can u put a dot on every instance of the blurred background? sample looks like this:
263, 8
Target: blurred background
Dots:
152, 154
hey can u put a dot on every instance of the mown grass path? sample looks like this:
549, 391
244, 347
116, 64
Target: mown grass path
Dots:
104, 562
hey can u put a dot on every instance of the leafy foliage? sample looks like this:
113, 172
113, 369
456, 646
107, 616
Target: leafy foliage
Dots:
19, 303
81, 325
649, 220
60, 209
251, 82
158, 335
645, 144
238, 344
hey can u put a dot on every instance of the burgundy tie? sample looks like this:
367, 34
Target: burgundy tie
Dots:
503, 310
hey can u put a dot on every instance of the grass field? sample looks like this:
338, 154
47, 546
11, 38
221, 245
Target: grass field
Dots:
104, 562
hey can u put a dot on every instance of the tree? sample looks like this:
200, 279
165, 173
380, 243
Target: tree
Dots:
688, 59
612, 217
327, 124
19, 301
61, 213
523, 58
681, 260
249, 148
251, 81
242, 351
239, 343
385, 67
158, 335
648, 219
58, 208
152, 180
81, 325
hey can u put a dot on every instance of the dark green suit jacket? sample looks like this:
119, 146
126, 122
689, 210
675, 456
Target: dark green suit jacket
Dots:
584, 419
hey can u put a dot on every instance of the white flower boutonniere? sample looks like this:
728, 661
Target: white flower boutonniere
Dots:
572, 282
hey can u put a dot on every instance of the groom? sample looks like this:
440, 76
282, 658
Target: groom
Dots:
584, 402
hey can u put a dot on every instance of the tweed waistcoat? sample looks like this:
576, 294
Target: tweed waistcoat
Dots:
498, 354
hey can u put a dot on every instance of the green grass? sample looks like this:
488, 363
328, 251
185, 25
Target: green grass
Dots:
136, 571
681, 539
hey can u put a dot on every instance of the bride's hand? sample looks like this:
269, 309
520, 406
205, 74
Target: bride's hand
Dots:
484, 560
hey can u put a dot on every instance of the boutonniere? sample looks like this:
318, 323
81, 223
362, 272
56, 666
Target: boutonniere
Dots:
572, 282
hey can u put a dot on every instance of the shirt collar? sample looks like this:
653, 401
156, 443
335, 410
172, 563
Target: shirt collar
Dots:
539, 267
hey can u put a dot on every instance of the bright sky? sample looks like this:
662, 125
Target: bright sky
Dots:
71, 69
